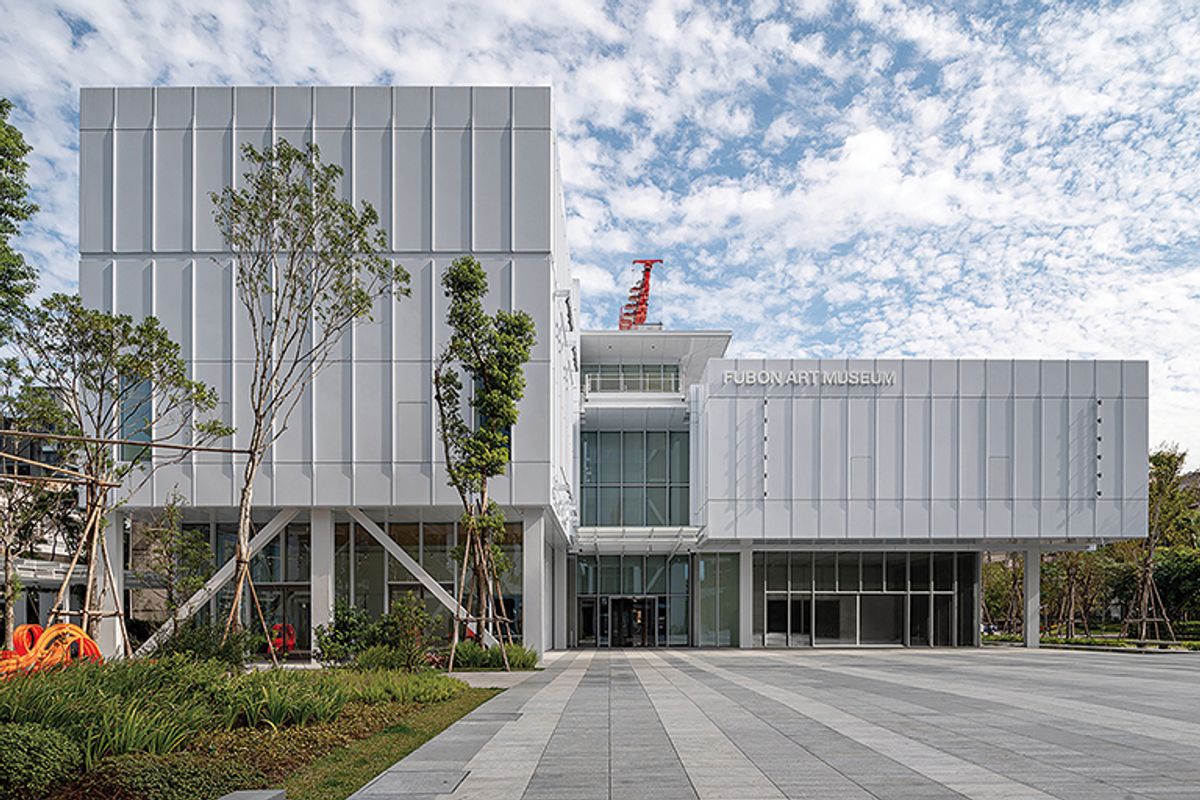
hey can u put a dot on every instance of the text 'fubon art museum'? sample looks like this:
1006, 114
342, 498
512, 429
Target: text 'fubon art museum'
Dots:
659, 493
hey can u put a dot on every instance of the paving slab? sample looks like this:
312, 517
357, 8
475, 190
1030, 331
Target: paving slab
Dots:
687, 724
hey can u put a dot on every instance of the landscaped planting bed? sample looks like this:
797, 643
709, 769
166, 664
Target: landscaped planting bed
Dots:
178, 727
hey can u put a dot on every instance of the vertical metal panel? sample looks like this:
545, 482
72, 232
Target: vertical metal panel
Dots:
1054, 378
779, 462
834, 457
373, 173
531, 190
214, 107
492, 106
972, 381
95, 283
337, 147
1055, 447
1135, 379
945, 448
999, 483
372, 390
1108, 378
1081, 444
96, 108
133, 287
173, 300
889, 448
135, 108
134, 171
1081, 378
413, 198
95, 191
252, 106
805, 451
1110, 459
1027, 378
998, 376
451, 193
918, 441
333, 398
721, 413
372, 107
492, 190
749, 466
214, 309
1135, 444
293, 106
532, 279
531, 107
451, 106
173, 191
213, 170
332, 107
531, 437
944, 378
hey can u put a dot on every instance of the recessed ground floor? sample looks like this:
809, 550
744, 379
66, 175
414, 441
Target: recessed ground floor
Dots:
834, 724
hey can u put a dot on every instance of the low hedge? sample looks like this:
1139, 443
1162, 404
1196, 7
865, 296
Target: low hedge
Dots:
178, 776
472, 655
35, 759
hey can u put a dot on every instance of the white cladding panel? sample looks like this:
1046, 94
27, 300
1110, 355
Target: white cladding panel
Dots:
450, 170
939, 450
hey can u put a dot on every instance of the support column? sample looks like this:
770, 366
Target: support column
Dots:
45, 603
321, 569
746, 598
533, 580
109, 639
1033, 597
561, 607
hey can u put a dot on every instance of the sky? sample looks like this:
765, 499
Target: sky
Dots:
829, 179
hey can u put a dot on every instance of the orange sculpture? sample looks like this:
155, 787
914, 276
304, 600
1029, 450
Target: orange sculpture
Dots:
36, 649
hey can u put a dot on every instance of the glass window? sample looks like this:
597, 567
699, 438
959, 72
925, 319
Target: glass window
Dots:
656, 458
608, 510
943, 619
729, 574
656, 505
610, 457
836, 619
777, 572
943, 571
436, 542
679, 457
872, 572
408, 536
368, 572
137, 417
848, 572
708, 599
226, 542
510, 581
587, 513
680, 515
633, 457
633, 505
918, 620
679, 623
801, 632
825, 570
918, 572
679, 574
801, 572
631, 575
587, 456
656, 574
298, 553
897, 571
968, 599
610, 574
341, 563
882, 619
267, 566
585, 575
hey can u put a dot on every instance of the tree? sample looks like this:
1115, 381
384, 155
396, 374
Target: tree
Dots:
490, 351
117, 381
17, 277
1171, 508
176, 560
309, 266
33, 506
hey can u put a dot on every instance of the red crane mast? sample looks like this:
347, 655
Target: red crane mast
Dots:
633, 313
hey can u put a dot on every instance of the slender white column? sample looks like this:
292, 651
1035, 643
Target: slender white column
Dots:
109, 638
746, 598
1033, 596
561, 612
321, 570
533, 561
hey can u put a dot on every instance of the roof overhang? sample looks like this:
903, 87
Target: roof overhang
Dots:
691, 350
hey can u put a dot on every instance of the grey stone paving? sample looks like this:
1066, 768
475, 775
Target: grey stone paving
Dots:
992, 724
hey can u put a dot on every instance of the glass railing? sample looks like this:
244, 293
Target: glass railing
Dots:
646, 384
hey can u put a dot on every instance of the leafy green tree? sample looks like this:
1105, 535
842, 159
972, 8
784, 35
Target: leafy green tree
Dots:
309, 266
1172, 503
17, 278
174, 560
115, 379
490, 351
1177, 575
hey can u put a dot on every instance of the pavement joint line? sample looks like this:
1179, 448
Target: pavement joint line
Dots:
670, 741
714, 763
969, 779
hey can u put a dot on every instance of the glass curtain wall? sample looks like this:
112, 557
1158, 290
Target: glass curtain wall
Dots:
628, 601
850, 598
634, 478
630, 377
718, 579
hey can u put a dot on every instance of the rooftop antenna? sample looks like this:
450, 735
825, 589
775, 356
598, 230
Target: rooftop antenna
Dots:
633, 313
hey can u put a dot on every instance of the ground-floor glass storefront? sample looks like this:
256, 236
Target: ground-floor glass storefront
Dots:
804, 599
632, 601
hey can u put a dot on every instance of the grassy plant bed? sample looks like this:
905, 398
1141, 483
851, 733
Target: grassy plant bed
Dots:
177, 727
1083, 642
344, 770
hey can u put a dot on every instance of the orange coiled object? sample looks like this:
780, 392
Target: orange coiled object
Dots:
37, 649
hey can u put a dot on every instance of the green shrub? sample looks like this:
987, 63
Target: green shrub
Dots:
34, 759
380, 656
1187, 629
179, 776
381, 686
349, 632
472, 655
206, 641
406, 629
278, 698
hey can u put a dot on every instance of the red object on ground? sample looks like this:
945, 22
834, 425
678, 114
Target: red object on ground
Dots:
36, 649
633, 313
284, 640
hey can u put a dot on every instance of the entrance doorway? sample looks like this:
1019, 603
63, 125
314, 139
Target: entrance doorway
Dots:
633, 622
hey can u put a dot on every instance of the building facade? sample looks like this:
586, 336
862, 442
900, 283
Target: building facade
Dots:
659, 494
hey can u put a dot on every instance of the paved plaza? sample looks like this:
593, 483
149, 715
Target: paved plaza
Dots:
743, 725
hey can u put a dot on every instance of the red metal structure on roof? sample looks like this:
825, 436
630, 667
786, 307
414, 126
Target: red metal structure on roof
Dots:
633, 313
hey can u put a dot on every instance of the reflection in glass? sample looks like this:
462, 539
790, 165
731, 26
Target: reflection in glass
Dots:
836, 619
882, 619
825, 569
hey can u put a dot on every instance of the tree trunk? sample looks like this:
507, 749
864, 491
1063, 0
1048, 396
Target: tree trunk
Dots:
91, 619
10, 597
242, 556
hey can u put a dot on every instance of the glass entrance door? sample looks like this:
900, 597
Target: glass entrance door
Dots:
633, 621
587, 622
